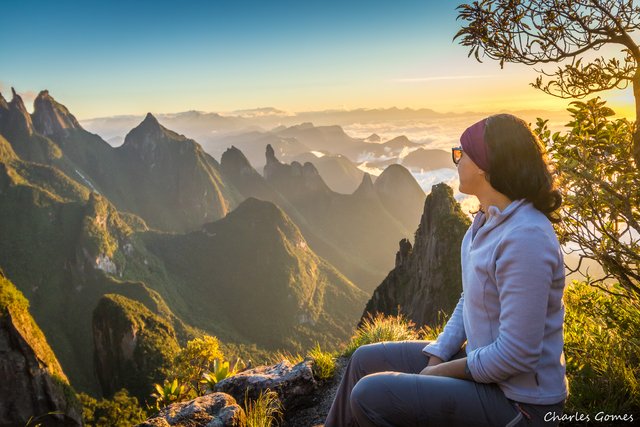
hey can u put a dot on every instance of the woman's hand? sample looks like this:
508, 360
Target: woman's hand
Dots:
434, 360
452, 369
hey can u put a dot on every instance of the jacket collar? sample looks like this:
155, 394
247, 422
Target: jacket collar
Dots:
493, 216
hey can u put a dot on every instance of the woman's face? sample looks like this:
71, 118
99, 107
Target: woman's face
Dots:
471, 176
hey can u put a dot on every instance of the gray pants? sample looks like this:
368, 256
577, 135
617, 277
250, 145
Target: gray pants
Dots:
381, 388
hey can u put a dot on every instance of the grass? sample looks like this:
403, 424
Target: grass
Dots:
324, 363
380, 328
264, 411
602, 350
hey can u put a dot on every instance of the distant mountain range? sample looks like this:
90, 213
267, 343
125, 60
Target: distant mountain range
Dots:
157, 228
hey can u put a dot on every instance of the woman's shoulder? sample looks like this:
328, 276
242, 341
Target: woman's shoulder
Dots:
527, 222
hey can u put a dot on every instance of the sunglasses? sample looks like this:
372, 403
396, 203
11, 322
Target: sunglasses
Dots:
456, 154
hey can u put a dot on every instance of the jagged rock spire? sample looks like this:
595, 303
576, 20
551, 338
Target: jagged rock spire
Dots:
366, 188
51, 118
15, 121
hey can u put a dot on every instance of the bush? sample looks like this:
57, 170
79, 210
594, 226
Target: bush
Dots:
195, 359
121, 411
264, 411
220, 371
382, 328
169, 392
602, 350
324, 363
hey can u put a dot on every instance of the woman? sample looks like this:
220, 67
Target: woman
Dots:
510, 314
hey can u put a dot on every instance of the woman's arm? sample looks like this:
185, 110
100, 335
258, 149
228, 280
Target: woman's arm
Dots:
454, 369
452, 337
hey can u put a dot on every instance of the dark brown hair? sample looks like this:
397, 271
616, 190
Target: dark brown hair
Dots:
518, 166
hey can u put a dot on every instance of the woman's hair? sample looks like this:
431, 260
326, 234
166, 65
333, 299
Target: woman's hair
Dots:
518, 165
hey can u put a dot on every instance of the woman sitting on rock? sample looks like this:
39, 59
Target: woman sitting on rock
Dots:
511, 372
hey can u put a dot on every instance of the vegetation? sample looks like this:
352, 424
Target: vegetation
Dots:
324, 363
602, 350
599, 181
169, 392
198, 357
120, 411
264, 411
382, 328
220, 371
551, 31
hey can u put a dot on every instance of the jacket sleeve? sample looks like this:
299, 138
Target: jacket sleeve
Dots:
452, 337
524, 273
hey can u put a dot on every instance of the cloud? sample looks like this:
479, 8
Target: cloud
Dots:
434, 78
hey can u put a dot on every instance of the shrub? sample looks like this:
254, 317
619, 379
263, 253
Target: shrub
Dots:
381, 328
169, 392
192, 361
264, 411
120, 411
281, 355
324, 363
602, 350
220, 371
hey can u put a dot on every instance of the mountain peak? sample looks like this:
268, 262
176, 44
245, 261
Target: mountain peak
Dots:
150, 119
15, 119
233, 161
3, 103
51, 118
365, 189
271, 156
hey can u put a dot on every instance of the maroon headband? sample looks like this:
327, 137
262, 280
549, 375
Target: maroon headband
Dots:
473, 145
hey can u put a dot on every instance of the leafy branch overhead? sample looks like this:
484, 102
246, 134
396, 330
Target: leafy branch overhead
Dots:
539, 32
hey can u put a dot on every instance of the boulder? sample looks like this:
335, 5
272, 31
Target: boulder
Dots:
294, 384
211, 410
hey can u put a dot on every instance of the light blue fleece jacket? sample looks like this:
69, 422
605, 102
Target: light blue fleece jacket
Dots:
511, 312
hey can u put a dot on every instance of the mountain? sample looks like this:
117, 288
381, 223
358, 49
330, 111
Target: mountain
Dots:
247, 278
340, 173
424, 160
17, 127
166, 169
427, 276
64, 248
153, 168
133, 347
252, 276
357, 231
33, 382
400, 194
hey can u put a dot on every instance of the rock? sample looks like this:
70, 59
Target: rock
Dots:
50, 117
33, 383
295, 385
320, 402
132, 346
211, 410
427, 277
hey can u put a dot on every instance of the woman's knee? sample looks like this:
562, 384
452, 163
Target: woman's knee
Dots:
365, 392
368, 357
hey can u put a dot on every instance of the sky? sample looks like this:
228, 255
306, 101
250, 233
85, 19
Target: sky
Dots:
103, 58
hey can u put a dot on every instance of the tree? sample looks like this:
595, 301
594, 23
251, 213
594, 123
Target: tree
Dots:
534, 32
601, 201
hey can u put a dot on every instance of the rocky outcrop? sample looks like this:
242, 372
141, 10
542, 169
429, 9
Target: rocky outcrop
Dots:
16, 122
366, 188
427, 276
295, 179
132, 346
33, 383
51, 118
211, 410
294, 384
